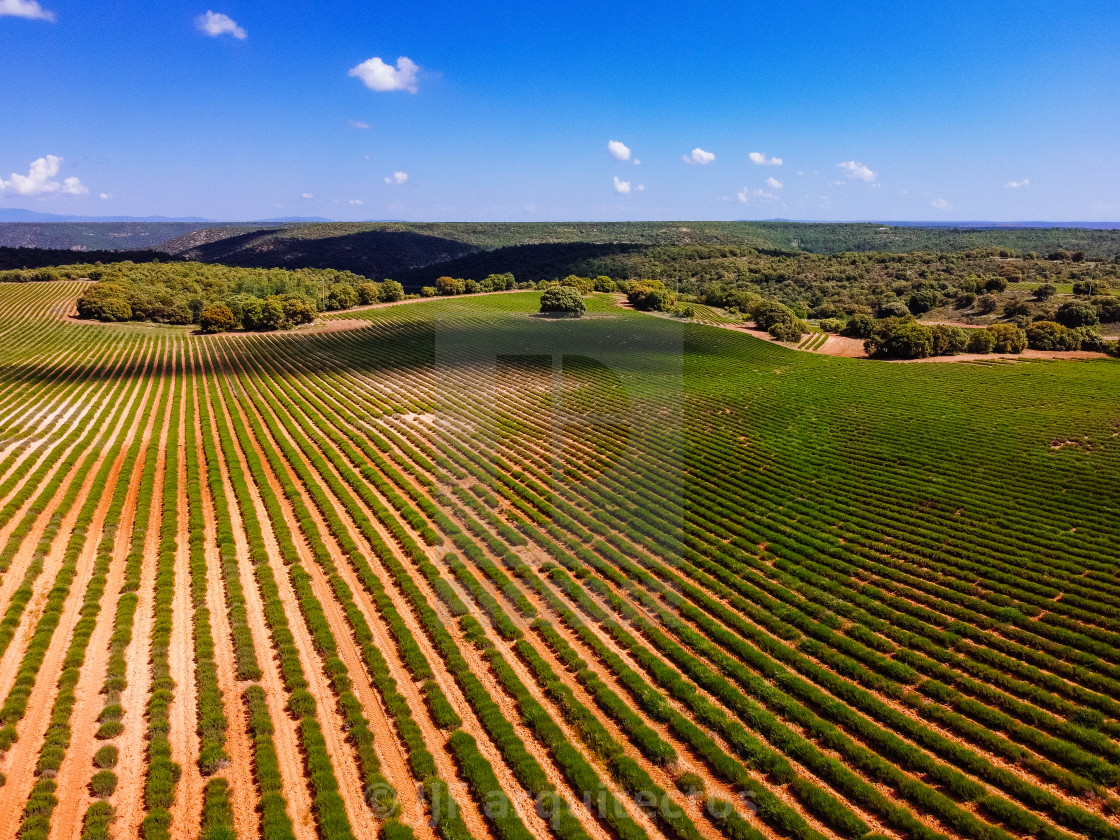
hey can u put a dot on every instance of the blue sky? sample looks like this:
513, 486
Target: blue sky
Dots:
503, 111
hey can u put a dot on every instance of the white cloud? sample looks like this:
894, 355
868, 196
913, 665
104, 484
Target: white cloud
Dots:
1014, 185
364, 126
618, 150
856, 171
760, 159
396, 178
746, 194
941, 204
357, 201
307, 195
215, 24
25, 9
38, 180
698, 157
105, 196
379, 76
774, 183
621, 186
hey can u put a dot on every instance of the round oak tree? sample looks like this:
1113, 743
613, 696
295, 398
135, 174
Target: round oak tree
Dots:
563, 300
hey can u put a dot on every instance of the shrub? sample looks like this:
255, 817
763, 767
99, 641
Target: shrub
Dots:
103, 784
986, 304
342, 296
106, 757
690, 784
1108, 308
832, 325
428, 291
1090, 287
1049, 335
947, 340
563, 300
1015, 308
1007, 338
602, 283
1044, 292
1077, 313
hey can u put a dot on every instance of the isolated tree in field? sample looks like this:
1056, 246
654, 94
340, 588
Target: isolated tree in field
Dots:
391, 291
788, 332
1045, 291
563, 300
1008, 338
217, 318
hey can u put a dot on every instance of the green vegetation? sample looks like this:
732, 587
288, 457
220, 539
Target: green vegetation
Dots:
562, 300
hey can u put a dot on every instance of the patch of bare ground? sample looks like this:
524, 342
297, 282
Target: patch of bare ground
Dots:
239, 772
341, 755
20, 761
76, 769
285, 737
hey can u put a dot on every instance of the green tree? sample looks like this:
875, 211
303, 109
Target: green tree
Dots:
563, 300
1007, 338
860, 325
390, 291
368, 293
900, 338
1078, 313
947, 340
981, 341
342, 296
1050, 335
272, 315
216, 318
449, 286
1045, 291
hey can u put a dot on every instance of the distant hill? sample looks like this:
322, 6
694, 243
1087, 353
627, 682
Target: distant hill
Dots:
417, 253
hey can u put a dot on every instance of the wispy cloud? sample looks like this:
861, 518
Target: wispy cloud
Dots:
698, 157
40, 180
1014, 185
215, 24
363, 126
855, 171
941, 204
747, 194
760, 159
621, 186
396, 178
774, 183
357, 202
307, 195
379, 76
